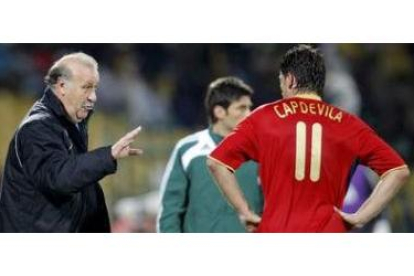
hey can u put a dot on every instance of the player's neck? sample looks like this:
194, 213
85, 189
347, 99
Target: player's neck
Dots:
220, 129
307, 95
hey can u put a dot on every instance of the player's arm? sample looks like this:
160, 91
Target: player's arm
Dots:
387, 187
230, 188
237, 148
174, 196
379, 156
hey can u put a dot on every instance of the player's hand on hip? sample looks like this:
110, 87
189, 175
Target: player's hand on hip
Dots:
250, 221
123, 148
352, 219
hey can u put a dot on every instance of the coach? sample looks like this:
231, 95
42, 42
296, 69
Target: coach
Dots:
50, 181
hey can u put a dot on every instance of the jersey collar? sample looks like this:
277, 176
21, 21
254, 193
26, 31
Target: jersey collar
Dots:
216, 138
311, 96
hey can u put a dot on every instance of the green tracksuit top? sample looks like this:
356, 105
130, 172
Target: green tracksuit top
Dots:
191, 200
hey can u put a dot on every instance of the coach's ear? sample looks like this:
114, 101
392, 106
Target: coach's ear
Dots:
219, 112
60, 87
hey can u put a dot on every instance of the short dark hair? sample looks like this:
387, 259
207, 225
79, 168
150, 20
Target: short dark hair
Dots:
307, 65
222, 92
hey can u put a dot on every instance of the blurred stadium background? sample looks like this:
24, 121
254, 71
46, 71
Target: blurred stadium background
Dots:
161, 87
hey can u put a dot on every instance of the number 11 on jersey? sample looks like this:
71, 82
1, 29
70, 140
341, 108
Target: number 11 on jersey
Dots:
316, 151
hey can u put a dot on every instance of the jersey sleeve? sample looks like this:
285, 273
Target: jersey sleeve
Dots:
376, 153
237, 148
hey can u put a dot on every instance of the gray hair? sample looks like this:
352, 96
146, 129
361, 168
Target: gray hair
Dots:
61, 68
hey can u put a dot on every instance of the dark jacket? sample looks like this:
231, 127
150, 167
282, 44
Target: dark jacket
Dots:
50, 181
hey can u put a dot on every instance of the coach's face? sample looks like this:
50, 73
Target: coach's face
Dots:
237, 111
79, 93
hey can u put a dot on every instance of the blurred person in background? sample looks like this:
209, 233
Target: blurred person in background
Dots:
190, 201
342, 91
50, 181
135, 95
360, 187
305, 149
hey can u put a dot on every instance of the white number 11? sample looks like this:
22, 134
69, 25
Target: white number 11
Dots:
316, 151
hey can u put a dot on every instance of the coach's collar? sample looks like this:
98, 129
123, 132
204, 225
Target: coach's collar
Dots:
51, 101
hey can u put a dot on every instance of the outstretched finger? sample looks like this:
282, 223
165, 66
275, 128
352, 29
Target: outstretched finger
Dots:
135, 152
129, 137
132, 134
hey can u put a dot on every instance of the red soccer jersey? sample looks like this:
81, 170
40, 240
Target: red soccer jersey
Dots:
305, 149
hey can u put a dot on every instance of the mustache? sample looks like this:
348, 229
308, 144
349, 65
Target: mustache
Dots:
88, 106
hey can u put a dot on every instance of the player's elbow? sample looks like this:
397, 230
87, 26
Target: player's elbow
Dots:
215, 167
399, 177
403, 175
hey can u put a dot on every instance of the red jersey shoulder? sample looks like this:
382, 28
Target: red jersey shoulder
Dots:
357, 123
265, 107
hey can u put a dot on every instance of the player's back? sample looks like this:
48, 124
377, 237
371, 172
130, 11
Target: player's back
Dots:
306, 151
